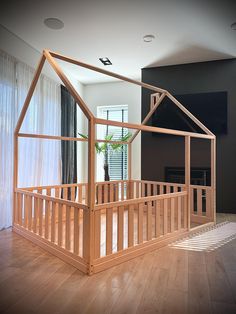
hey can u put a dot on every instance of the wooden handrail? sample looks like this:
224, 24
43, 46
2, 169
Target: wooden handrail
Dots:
53, 199
152, 129
139, 200
66, 138
99, 70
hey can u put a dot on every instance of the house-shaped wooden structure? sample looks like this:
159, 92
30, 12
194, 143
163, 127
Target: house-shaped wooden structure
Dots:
103, 224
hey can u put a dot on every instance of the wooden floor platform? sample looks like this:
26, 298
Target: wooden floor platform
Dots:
164, 281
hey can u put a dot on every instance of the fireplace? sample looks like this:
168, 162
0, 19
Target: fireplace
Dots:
199, 175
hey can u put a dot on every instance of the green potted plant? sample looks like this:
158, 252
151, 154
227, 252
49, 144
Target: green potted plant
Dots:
107, 149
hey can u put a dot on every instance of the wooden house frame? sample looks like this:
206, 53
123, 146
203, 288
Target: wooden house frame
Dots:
103, 224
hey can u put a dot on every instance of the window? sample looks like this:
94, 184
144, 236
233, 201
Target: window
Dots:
117, 160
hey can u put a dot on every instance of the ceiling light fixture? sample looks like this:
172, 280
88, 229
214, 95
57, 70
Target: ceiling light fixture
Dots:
105, 61
233, 26
53, 23
148, 38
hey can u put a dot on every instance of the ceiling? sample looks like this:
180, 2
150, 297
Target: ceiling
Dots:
185, 31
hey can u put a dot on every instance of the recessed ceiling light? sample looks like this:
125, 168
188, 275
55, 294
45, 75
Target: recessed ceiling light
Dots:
53, 23
233, 26
148, 38
105, 61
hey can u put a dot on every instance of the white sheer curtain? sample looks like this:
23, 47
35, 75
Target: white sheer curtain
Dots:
8, 113
39, 160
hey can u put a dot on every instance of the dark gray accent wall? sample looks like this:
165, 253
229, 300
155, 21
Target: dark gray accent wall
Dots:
163, 151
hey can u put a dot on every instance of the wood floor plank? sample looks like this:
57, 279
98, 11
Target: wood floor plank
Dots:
168, 280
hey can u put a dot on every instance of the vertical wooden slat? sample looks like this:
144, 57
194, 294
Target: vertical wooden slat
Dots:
199, 202
213, 179
65, 193
99, 193
116, 191
57, 195
109, 223
30, 212
15, 208
76, 231
149, 189
143, 189
172, 214
120, 228
57, 192
157, 218
161, 224
131, 190
127, 189
179, 202
80, 193
122, 190
72, 193
68, 219
140, 223
47, 204
167, 189
111, 192
165, 217
53, 221
105, 193
36, 214
185, 211
97, 233
161, 187
40, 209
208, 203
154, 189
187, 177
25, 210
137, 189
149, 220
130, 225
192, 200
130, 161
59, 234
19, 206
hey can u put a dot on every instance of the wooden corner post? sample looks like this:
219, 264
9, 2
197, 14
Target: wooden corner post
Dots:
213, 178
88, 222
187, 177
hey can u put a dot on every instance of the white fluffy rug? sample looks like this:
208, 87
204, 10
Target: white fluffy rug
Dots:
208, 240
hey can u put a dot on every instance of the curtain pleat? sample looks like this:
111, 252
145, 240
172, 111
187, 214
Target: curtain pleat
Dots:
68, 128
39, 159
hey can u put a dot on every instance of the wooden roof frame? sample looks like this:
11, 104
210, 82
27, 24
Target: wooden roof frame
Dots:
160, 94
50, 56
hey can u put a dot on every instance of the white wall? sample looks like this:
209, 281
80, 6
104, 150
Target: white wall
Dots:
22, 51
119, 93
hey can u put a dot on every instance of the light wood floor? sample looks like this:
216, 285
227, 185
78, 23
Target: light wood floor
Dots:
165, 281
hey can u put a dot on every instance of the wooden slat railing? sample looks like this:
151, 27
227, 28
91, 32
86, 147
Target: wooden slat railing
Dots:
128, 223
57, 220
201, 204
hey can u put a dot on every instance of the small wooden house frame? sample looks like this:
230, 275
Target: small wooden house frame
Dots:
103, 224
